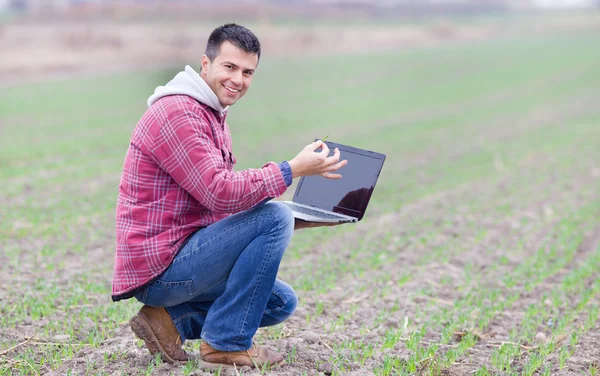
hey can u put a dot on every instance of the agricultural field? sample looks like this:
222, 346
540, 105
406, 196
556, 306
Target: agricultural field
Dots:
479, 253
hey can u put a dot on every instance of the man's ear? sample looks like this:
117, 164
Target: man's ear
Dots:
205, 64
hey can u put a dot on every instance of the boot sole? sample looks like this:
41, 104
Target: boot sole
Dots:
208, 366
143, 331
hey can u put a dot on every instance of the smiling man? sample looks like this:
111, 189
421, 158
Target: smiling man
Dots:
198, 243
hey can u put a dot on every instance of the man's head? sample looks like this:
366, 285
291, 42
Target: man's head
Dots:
229, 62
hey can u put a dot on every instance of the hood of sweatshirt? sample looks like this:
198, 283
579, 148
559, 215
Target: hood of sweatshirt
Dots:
188, 83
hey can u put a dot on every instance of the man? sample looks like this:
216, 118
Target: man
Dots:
197, 242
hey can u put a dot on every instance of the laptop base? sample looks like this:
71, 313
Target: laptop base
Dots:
322, 216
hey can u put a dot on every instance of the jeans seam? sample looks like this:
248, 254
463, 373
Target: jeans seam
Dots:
260, 275
208, 288
277, 309
145, 295
274, 310
214, 239
185, 316
164, 290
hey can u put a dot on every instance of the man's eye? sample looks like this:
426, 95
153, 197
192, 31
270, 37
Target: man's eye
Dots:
228, 66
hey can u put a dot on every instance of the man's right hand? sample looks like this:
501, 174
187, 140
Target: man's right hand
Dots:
300, 224
308, 162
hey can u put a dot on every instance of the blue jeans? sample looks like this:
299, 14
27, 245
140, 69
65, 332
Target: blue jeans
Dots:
222, 284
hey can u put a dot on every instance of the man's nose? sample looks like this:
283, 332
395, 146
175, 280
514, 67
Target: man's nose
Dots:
237, 77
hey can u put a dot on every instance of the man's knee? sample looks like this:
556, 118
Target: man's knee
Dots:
283, 308
281, 215
290, 306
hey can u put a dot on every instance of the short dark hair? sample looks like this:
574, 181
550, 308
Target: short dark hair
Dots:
237, 35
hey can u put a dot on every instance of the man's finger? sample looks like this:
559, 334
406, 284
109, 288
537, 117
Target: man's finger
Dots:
333, 159
304, 224
315, 145
337, 166
325, 150
336, 154
329, 175
321, 224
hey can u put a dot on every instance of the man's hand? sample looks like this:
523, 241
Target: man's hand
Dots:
300, 224
308, 162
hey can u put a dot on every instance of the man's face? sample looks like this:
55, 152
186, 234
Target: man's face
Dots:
230, 74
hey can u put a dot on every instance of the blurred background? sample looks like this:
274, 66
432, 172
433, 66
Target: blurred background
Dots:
487, 111
45, 37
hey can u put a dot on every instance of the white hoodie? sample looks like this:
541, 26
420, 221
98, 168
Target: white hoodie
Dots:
189, 83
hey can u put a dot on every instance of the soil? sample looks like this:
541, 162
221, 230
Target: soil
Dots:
436, 284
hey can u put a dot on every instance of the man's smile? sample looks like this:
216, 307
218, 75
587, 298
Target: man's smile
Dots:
230, 89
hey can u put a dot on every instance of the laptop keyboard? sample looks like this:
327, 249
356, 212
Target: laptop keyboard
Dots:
313, 212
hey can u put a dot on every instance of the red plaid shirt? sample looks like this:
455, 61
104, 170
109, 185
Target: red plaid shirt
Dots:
178, 177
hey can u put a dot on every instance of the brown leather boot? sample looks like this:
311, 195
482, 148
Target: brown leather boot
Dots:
213, 360
156, 328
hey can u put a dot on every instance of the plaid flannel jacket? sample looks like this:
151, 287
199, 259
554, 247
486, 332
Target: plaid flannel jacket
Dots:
178, 177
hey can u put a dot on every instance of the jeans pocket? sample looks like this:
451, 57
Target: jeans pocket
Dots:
168, 294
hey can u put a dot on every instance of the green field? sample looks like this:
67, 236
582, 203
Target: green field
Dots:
480, 252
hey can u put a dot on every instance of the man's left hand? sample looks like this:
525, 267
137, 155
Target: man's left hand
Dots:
300, 224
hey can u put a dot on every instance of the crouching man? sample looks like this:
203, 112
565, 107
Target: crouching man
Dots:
197, 242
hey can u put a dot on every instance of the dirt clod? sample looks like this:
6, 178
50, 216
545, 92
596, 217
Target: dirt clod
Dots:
540, 338
310, 337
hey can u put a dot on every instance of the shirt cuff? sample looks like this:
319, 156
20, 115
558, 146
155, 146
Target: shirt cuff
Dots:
286, 171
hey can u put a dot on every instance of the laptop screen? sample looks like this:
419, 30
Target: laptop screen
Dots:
350, 194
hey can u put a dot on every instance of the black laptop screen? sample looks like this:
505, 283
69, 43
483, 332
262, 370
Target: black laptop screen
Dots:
348, 195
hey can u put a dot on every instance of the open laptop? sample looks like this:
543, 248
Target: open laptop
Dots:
318, 199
